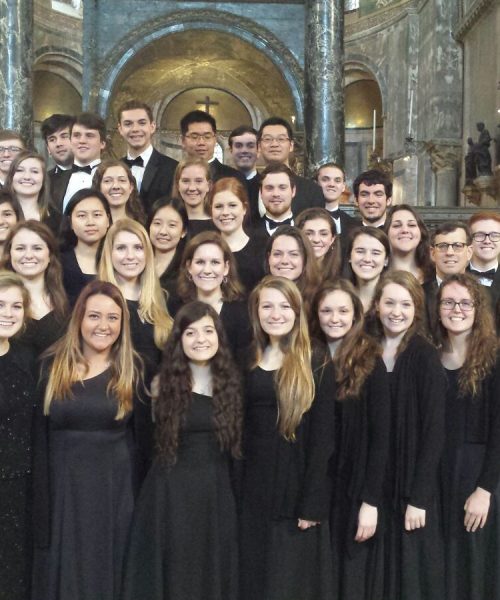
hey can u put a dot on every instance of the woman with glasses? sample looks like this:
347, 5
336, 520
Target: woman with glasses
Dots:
470, 474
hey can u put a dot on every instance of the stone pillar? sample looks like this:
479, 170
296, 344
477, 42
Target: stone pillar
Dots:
16, 83
445, 159
324, 82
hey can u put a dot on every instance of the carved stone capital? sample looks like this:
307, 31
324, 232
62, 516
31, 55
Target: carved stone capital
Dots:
444, 157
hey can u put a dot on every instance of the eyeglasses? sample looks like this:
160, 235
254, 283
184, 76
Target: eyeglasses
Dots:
480, 236
269, 139
456, 246
463, 305
11, 149
196, 137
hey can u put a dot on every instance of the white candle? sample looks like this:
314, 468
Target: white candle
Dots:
411, 113
374, 129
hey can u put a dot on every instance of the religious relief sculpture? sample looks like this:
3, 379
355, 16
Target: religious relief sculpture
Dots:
481, 151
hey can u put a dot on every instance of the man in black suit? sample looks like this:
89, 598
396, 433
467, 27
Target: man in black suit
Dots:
56, 131
331, 179
373, 194
88, 140
152, 170
485, 231
243, 146
275, 144
199, 136
277, 190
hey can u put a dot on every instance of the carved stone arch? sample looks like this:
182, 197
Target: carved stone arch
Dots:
363, 62
207, 19
60, 61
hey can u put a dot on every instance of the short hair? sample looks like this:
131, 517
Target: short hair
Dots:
67, 236
8, 197
373, 177
197, 116
450, 227
276, 121
10, 134
55, 123
482, 216
332, 165
276, 167
241, 130
135, 105
175, 204
91, 121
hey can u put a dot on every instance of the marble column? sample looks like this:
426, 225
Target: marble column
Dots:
16, 83
324, 82
445, 159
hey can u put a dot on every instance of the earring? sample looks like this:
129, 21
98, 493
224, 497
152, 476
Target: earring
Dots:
224, 279
190, 277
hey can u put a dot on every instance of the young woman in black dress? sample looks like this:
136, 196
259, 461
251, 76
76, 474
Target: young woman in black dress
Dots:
167, 226
319, 228
289, 254
192, 184
31, 251
184, 537
86, 458
368, 252
363, 422
414, 557
10, 214
288, 442
471, 462
86, 220
17, 399
127, 261
228, 200
115, 181
208, 273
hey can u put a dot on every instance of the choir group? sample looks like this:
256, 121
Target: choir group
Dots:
218, 385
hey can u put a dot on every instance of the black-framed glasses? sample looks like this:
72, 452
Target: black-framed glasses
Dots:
195, 137
11, 149
455, 246
463, 305
480, 236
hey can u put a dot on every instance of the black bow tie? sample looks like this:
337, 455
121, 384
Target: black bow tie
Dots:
137, 161
335, 214
78, 169
489, 274
274, 224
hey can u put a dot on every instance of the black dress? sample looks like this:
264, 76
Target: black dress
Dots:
250, 260
236, 322
184, 536
17, 399
359, 470
40, 334
415, 559
196, 226
143, 339
472, 459
74, 279
282, 482
92, 477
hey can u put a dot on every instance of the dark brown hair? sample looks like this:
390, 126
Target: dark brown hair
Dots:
331, 264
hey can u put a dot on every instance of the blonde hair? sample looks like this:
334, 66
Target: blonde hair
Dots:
152, 305
192, 161
69, 358
10, 279
294, 379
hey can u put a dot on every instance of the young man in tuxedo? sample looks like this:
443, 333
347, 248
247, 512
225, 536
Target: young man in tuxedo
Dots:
485, 232
276, 144
243, 145
56, 132
11, 143
277, 190
199, 136
152, 170
88, 140
373, 194
331, 179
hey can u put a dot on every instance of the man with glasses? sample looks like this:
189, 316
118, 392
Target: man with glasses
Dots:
11, 143
485, 231
451, 251
199, 136
275, 144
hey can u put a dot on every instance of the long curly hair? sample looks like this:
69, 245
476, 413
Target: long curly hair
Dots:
482, 342
175, 388
357, 353
294, 379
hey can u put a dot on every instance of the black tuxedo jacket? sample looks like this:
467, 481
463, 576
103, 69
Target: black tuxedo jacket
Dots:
430, 288
158, 179
59, 180
218, 171
494, 289
348, 223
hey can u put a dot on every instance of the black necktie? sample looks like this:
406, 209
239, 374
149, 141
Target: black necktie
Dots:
78, 169
335, 214
488, 274
137, 161
274, 224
